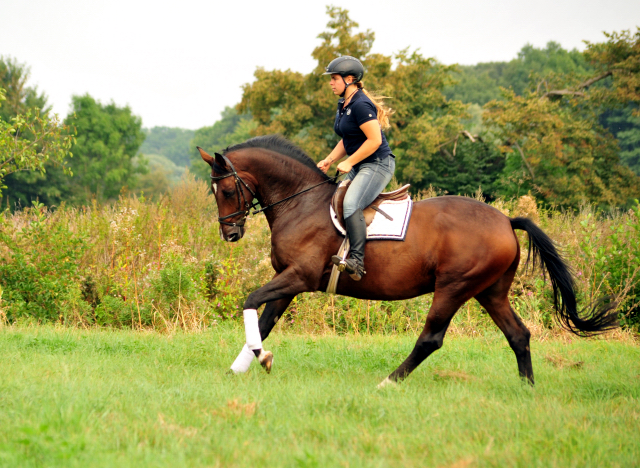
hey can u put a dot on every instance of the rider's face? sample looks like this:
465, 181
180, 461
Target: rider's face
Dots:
337, 84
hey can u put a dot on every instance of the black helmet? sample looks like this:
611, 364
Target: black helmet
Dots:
345, 66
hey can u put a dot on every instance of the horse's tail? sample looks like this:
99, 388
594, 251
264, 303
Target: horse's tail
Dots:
599, 316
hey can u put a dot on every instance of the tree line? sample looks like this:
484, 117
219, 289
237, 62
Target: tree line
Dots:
561, 125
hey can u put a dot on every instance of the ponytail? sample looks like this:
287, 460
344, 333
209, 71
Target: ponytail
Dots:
384, 112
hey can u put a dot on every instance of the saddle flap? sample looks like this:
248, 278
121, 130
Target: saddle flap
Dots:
369, 212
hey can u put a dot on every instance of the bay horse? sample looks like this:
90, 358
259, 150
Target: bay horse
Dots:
455, 247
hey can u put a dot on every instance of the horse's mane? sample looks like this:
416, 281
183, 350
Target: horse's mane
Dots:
280, 145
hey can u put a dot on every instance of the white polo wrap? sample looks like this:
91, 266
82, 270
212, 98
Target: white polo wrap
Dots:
243, 361
251, 329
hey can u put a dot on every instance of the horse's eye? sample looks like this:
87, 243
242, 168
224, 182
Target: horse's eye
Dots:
228, 193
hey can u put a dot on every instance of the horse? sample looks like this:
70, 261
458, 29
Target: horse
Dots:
455, 247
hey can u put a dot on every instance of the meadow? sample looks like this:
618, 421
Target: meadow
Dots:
98, 397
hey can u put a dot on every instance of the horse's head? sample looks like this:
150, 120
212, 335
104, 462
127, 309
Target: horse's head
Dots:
233, 196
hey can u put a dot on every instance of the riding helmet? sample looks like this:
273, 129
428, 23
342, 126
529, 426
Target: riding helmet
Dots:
345, 66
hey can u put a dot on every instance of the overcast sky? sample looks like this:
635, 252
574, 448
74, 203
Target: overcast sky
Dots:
179, 63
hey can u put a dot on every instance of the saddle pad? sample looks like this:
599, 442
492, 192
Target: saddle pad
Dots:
381, 227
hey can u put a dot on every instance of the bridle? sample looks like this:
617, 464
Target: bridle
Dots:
249, 206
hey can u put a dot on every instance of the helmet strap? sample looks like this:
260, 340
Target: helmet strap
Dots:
346, 85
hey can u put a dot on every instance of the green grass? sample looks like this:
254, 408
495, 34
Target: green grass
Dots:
122, 398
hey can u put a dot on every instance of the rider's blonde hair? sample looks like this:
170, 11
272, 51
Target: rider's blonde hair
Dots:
384, 112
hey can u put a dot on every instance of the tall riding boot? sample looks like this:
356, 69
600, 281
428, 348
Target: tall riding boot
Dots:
357, 232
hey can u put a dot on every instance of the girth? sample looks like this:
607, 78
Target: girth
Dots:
370, 211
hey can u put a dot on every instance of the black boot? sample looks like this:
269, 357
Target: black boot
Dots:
357, 232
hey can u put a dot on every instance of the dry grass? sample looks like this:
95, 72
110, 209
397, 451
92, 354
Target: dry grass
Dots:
162, 266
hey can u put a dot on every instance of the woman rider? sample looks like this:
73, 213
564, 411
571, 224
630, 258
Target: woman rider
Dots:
360, 120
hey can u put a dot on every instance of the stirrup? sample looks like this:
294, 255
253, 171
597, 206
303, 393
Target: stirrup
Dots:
339, 262
353, 267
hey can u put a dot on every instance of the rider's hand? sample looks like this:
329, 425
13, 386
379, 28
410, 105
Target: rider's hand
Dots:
324, 165
344, 167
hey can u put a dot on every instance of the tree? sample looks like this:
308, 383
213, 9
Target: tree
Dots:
172, 143
108, 139
19, 97
618, 58
34, 146
552, 136
29, 141
231, 129
481, 83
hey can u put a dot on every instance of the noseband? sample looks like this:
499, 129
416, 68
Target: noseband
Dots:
247, 206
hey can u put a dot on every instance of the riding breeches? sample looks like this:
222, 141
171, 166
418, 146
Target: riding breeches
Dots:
367, 182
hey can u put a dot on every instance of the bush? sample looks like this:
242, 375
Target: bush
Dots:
40, 272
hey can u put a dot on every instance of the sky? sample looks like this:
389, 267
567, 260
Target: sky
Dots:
180, 63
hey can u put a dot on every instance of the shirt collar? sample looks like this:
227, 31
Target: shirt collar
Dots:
354, 98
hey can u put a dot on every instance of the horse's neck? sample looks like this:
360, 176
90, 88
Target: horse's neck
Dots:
279, 177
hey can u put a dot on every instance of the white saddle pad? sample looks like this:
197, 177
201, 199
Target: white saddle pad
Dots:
381, 227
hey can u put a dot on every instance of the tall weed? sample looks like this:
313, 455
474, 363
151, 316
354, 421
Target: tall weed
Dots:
161, 265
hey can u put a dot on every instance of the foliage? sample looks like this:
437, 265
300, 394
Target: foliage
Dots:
172, 143
469, 166
231, 129
108, 139
29, 141
619, 56
541, 68
20, 98
40, 273
626, 128
552, 136
481, 83
34, 144
558, 150
302, 108
616, 261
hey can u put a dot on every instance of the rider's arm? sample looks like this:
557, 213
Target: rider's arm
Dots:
338, 153
371, 130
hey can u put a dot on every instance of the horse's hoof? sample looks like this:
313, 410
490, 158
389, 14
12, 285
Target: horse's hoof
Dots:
266, 360
386, 382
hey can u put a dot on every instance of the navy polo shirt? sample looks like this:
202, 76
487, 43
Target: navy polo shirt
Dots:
347, 125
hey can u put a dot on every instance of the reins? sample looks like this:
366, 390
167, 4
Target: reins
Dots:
249, 206
330, 179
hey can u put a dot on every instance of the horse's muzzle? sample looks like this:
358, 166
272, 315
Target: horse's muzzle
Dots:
232, 233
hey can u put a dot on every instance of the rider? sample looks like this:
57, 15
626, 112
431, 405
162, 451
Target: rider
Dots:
360, 120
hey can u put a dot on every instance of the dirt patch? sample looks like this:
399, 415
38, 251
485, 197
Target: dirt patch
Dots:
564, 363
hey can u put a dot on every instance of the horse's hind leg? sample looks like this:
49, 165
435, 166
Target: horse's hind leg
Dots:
440, 314
496, 301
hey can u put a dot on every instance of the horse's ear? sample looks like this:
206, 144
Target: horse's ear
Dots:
220, 161
205, 156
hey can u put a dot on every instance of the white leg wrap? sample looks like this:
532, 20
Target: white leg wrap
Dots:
243, 361
387, 382
254, 341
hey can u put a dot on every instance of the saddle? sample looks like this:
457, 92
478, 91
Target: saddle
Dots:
370, 211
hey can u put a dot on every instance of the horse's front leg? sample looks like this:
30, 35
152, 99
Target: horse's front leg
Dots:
278, 294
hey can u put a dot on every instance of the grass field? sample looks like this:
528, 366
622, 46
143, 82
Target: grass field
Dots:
72, 397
